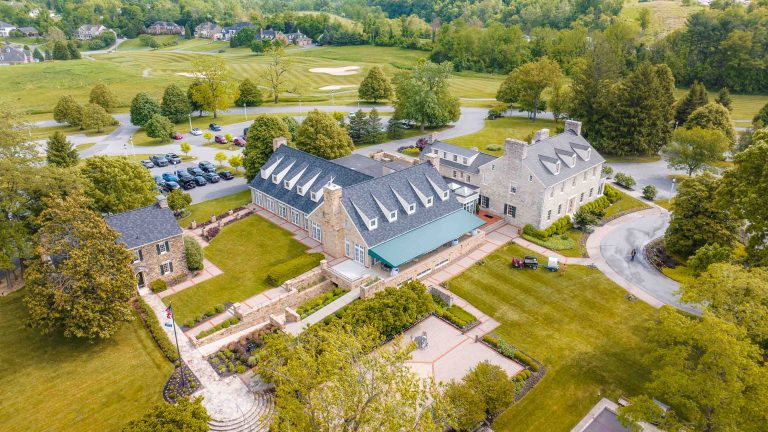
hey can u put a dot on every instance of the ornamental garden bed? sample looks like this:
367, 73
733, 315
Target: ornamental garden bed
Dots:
175, 388
455, 315
533, 372
316, 303
239, 356
205, 316
220, 326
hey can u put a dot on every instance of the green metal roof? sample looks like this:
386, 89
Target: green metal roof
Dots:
427, 238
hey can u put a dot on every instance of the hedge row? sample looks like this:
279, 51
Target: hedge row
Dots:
457, 315
220, 326
508, 350
560, 226
158, 285
596, 206
292, 268
152, 325
611, 193
315, 304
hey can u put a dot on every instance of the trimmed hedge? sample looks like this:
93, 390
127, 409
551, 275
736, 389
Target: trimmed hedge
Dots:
522, 358
193, 253
315, 304
506, 349
597, 206
457, 315
560, 226
158, 285
220, 326
554, 243
152, 324
624, 180
292, 268
611, 193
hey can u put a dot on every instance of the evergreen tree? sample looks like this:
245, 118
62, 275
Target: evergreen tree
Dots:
175, 105
74, 53
159, 127
60, 152
143, 108
696, 97
258, 148
375, 86
187, 32
250, 95
321, 135
103, 96
761, 118
60, 51
95, 118
375, 133
37, 55
724, 98
358, 127
81, 278
293, 125
117, 184
48, 55
394, 131
67, 110
713, 116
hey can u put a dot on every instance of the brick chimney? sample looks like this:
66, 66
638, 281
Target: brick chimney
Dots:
162, 201
573, 126
433, 159
279, 141
540, 134
432, 137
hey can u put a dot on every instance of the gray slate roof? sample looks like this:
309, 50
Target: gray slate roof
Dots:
28, 30
9, 54
299, 161
369, 166
474, 168
553, 149
144, 225
362, 196
4, 24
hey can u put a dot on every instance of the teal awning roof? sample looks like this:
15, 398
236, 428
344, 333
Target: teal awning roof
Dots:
427, 238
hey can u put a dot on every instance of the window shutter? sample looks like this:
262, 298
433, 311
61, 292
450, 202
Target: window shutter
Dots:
141, 255
170, 267
157, 246
505, 208
162, 270
167, 246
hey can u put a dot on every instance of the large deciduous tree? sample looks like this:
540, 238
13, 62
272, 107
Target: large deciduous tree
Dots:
250, 94
95, 118
423, 95
695, 98
743, 192
159, 127
322, 136
696, 218
761, 118
526, 84
258, 147
80, 279
375, 86
60, 152
175, 105
143, 108
694, 149
278, 66
117, 184
185, 415
218, 89
67, 110
713, 116
104, 97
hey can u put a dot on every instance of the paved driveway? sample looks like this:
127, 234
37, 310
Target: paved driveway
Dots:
649, 173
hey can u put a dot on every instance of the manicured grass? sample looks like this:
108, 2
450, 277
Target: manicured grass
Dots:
246, 251
666, 15
665, 203
135, 44
627, 203
202, 211
680, 273
84, 146
590, 339
140, 138
50, 383
577, 250
632, 159
41, 133
496, 131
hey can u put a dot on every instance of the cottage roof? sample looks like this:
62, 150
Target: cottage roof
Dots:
144, 225
475, 157
4, 24
570, 151
9, 54
28, 30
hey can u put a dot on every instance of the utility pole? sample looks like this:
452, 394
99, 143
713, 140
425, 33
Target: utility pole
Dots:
245, 107
178, 351
190, 122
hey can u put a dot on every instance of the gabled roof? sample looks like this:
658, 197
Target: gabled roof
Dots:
544, 155
144, 225
479, 160
28, 30
369, 166
4, 24
313, 172
9, 54
367, 200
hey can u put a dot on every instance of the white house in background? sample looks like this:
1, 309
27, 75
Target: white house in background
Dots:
6, 29
89, 31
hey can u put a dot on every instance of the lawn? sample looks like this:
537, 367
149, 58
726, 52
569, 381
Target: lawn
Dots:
41, 133
632, 159
666, 15
140, 138
496, 131
665, 203
135, 44
590, 339
55, 384
245, 250
626, 204
202, 211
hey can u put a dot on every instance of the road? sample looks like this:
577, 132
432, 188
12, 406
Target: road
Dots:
650, 173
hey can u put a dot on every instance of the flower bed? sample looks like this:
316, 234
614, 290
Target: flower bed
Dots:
152, 324
530, 376
174, 388
220, 326
237, 357
454, 315
315, 304
213, 231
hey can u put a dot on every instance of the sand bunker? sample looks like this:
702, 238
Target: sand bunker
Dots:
338, 87
337, 71
189, 74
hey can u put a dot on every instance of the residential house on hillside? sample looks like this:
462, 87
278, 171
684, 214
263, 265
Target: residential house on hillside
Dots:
29, 31
11, 56
155, 238
164, 28
208, 30
383, 217
532, 183
298, 38
229, 32
89, 31
6, 29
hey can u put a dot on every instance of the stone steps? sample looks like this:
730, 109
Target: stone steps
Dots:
256, 419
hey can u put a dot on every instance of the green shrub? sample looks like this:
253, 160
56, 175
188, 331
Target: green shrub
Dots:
607, 170
649, 192
314, 304
553, 243
624, 180
492, 341
219, 308
194, 254
252, 361
158, 285
493, 147
458, 316
523, 375
522, 358
292, 268
411, 151
507, 349
611, 193
240, 369
222, 325
152, 325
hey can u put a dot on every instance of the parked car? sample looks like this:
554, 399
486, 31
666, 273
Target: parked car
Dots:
220, 139
196, 132
207, 166
239, 141
183, 175
200, 180
212, 177
170, 186
195, 171
188, 184
159, 179
173, 158
159, 160
169, 177
226, 175
177, 136
147, 163
214, 127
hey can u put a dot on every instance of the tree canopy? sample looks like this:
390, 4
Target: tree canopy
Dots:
217, 89
185, 415
258, 147
143, 108
250, 94
117, 184
526, 84
423, 95
322, 136
159, 127
175, 105
713, 116
104, 97
278, 66
60, 152
375, 86
67, 110
693, 149
696, 97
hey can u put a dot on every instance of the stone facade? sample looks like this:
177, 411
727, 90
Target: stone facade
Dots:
150, 265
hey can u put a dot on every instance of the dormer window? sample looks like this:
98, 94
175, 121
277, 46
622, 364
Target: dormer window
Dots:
464, 160
429, 202
557, 167
313, 196
455, 158
274, 179
300, 190
393, 216
373, 223
445, 195
411, 208
287, 184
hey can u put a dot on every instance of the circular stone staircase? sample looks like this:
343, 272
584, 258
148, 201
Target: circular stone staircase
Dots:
255, 419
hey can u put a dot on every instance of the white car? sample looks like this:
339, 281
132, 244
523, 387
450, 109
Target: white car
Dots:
196, 132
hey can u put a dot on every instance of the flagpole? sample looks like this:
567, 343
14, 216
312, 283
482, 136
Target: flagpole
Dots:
178, 351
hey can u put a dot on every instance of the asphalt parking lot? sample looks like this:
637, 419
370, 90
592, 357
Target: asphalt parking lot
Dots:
209, 191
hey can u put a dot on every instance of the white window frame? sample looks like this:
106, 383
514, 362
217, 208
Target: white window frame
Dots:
163, 266
359, 254
161, 247
316, 231
347, 249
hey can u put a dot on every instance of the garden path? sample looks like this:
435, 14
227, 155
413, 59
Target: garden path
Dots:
209, 270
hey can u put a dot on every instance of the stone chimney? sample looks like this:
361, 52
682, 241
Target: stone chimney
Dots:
333, 218
277, 142
432, 137
540, 134
573, 126
162, 201
434, 160
515, 149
